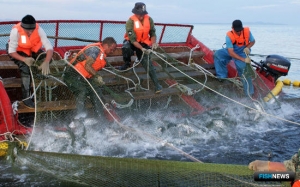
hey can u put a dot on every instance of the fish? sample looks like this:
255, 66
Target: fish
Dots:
219, 123
258, 112
58, 134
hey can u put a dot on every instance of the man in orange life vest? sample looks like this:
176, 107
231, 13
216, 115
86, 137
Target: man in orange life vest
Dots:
25, 45
86, 64
140, 35
238, 43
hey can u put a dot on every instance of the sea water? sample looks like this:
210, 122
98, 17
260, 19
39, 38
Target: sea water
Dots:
230, 137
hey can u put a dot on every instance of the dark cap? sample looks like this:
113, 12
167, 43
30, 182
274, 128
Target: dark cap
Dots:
28, 22
139, 8
237, 25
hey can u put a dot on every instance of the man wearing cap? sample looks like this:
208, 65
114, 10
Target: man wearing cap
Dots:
25, 42
140, 35
238, 44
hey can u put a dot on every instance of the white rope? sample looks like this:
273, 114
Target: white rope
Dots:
190, 57
168, 102
15, 107
120, 106
185, 89
267, 114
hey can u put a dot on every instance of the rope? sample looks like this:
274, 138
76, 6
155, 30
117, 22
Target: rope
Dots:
120, 106
263, 112
185, 89
260, 55
125, 127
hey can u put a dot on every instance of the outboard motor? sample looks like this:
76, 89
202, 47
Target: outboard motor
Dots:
275, 66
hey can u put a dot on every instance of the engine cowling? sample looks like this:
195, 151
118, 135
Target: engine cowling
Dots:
276, 65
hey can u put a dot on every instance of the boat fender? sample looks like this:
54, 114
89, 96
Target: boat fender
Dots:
276, 90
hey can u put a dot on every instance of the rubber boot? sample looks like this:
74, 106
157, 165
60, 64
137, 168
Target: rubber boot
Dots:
98, 107
26, 91
125, 66
127, 52
25, 82
158, 87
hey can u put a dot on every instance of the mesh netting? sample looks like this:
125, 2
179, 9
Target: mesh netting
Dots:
76, 137
126, 103
104, 171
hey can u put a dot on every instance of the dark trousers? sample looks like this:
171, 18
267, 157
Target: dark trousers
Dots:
82, 90
25, 73
128, 50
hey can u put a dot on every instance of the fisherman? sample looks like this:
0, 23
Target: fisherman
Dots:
25, 45
140, 35
238, 46
288, 165
88, 62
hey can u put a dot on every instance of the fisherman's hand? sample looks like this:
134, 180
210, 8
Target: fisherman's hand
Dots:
247, 51
28, 61
259, 165
154, 46
146, 51
45, 68
247, 60
99, 80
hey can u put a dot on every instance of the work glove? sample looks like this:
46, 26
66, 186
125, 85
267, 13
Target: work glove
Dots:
99, 80
45, 68
154, 46
246, 50
146, 51
28, 61
247, 60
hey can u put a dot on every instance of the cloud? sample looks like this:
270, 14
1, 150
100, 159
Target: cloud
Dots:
259, 7
295, 2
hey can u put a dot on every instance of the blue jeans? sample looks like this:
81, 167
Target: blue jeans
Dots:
221, 60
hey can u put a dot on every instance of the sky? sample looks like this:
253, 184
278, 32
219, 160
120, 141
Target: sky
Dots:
162, 11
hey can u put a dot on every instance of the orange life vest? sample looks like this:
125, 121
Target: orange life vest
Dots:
241, 40
141, 30
97, 65
28, 44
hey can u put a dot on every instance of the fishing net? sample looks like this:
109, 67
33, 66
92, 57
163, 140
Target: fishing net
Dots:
79, 146
78, 138
80, 170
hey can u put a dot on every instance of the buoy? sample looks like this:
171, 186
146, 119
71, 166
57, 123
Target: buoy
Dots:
296, 83
276, 90
287, 82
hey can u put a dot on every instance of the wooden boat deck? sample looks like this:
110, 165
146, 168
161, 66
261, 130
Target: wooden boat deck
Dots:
111, 80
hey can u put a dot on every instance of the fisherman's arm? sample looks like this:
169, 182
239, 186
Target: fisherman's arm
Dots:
252, 41
47, 45
91, 54
13, 45
231, 52
152, 31
89, 66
